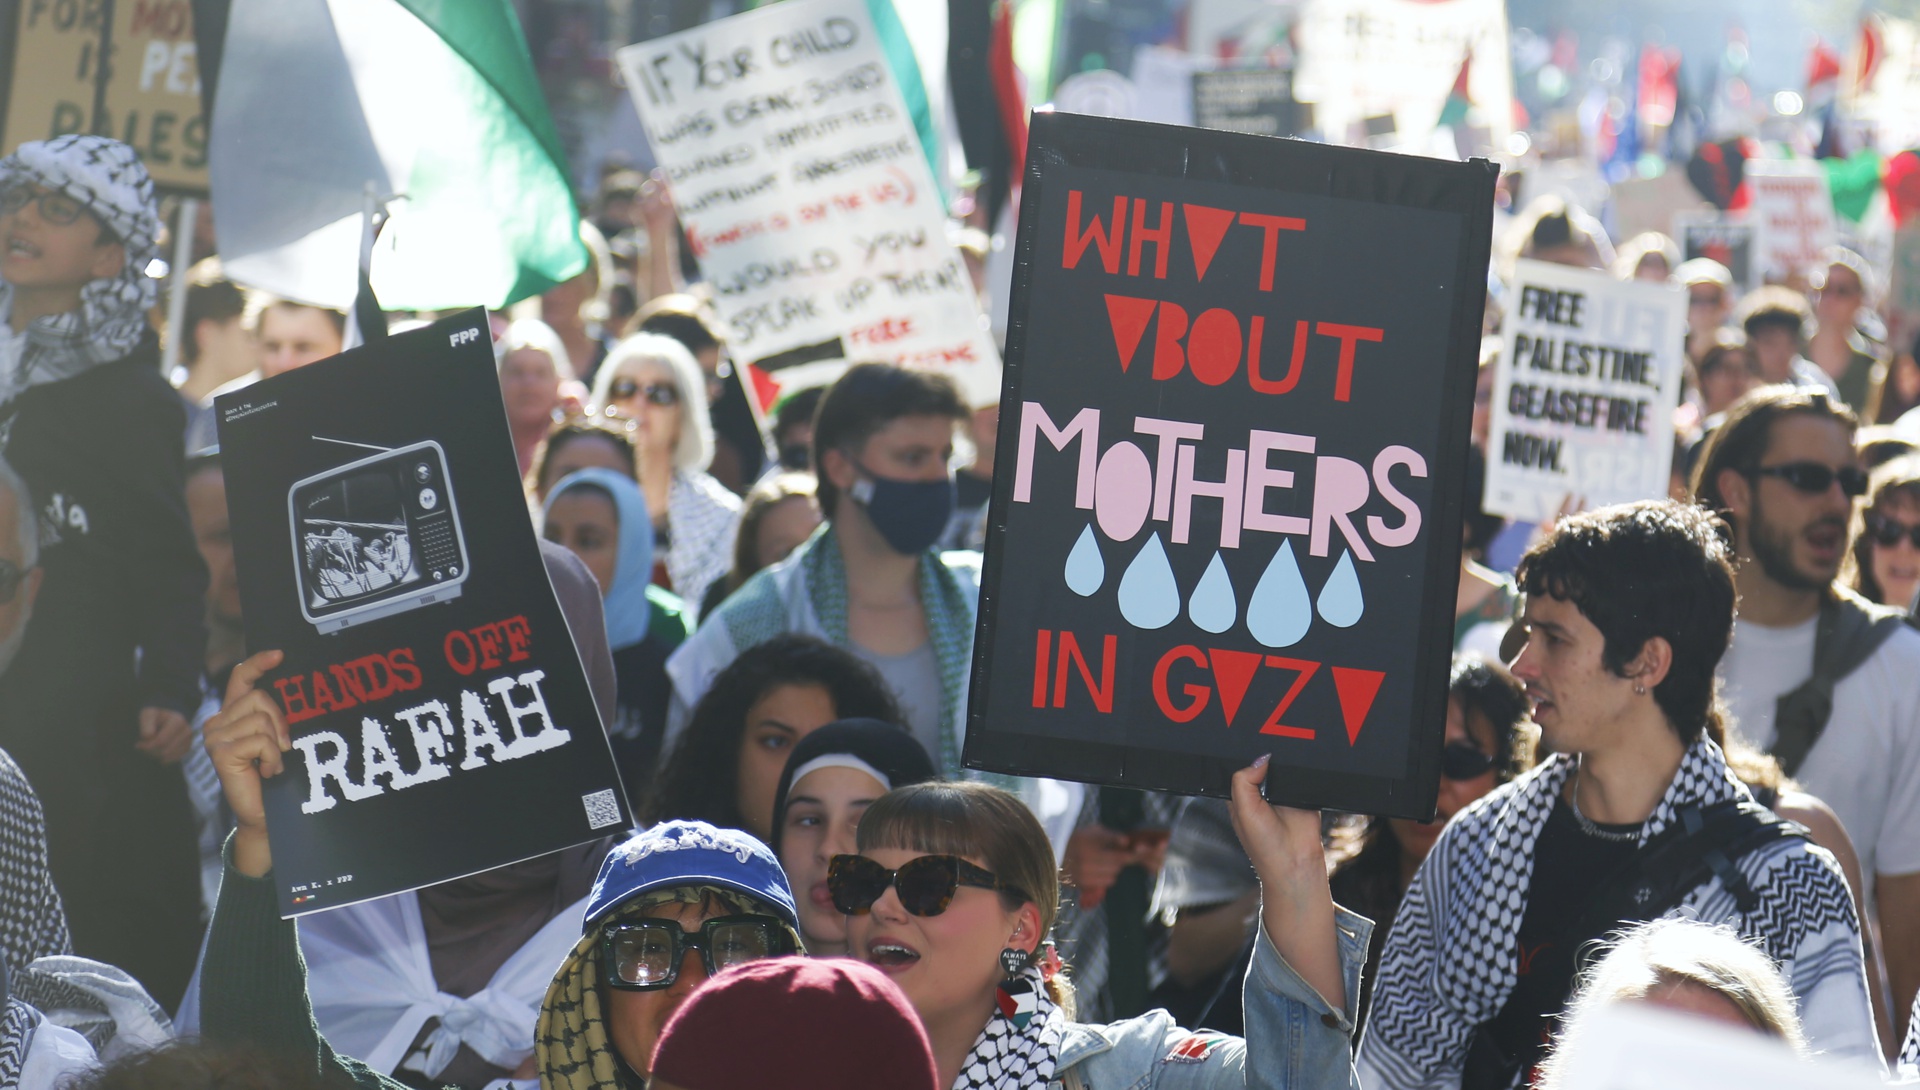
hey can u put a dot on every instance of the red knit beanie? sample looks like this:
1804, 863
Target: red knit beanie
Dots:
798, 1023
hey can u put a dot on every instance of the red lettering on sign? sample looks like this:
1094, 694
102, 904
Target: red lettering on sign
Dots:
1105, 239
1233, 671
1205, 228
1128, 317
1306, 670
1357, 688
1197, 695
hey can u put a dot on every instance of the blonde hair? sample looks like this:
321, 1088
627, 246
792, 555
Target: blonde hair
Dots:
694, 448
1667, 952
1626, 263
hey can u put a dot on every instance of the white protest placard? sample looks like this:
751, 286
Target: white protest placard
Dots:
1792, 214
1583, 399
804, 192
1367, 58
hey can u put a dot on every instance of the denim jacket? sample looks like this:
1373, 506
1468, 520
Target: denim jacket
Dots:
1295, 1039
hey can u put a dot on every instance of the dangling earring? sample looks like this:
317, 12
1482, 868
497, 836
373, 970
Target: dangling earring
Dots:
1017, 996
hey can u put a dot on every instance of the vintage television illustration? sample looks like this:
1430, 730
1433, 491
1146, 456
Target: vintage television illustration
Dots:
377, 537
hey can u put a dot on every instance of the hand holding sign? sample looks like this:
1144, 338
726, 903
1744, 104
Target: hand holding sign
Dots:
1296, 906
246, 740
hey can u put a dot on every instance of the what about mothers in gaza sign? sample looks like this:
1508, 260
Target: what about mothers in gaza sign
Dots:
1227, 518
441, 721
804, 191
1583, 400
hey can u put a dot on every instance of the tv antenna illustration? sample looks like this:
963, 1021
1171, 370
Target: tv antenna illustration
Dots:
350, 443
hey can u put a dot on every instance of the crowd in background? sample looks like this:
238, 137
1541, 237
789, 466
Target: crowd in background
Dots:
776, 606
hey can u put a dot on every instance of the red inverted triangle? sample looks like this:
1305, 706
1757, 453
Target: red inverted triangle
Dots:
1232, 672
1357, 689
1205, 228
1129, 317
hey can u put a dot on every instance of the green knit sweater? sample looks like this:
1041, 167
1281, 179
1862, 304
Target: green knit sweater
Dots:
253, 984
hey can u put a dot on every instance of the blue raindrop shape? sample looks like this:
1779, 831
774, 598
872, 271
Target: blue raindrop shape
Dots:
1212, 607
1086, 568
1149, 598
1341, 603
1280, 611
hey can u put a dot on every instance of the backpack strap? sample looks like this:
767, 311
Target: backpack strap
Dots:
1701, 842
1849, 631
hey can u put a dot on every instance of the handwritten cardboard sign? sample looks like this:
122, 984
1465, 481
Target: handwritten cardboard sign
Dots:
1583, 400
804, 192
146, 93
441, 721
1227, 516
1792, 215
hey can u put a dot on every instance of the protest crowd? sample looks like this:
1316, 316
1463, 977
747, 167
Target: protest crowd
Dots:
1678, 747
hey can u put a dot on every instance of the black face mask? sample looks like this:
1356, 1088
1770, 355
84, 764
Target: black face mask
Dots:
910, 515
797, 456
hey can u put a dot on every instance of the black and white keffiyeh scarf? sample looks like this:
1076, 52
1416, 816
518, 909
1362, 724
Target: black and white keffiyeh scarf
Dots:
1010, 1057
33, 924
1450, 962
107, 177
18, 1023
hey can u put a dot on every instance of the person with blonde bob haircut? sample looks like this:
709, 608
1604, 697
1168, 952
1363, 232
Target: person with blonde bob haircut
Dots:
955, 890
653, 380
1684, 966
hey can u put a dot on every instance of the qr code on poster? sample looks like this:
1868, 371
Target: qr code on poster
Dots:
602, 809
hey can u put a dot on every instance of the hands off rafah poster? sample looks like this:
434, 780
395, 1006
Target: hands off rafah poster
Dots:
805, 192
1583, 400
1227, 517
441, 721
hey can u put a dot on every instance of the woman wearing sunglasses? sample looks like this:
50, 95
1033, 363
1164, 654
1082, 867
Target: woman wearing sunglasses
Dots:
955, 889
1884, 563
654, 381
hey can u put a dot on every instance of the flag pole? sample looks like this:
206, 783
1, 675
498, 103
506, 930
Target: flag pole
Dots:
369, 321
183, 227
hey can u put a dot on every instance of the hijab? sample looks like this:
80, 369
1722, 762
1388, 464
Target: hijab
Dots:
886, 751
626, 602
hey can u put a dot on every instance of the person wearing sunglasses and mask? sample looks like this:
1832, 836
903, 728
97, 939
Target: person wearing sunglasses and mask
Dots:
955, 891
1817, 675
669, 908
653, 380
831, 779
1884, 564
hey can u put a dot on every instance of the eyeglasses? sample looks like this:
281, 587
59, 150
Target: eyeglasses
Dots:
1888, 532
11, 575
926, 885
645, 955
1459, 761
657, 393
1814, 478
56, 208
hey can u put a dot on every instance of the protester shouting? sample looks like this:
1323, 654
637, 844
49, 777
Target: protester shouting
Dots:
122, 581
955, 890
1635, 816
832, 776
669, 907
653, 380
726, 767
1816, 675
602, 517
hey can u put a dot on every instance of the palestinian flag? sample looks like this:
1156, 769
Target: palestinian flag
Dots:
1453, 114
432, 105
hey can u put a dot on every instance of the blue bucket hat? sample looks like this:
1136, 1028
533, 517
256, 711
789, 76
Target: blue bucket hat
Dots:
690, 853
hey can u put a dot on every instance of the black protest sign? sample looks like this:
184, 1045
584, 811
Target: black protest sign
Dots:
441, 721
1226, 520
1723, 240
